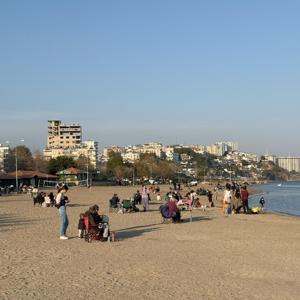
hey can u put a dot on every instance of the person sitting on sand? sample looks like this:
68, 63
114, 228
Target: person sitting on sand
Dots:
97, 222
137, 198
174, 211
114, 201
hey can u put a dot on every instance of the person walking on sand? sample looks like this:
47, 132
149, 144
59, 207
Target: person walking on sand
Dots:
60, 203
145, 198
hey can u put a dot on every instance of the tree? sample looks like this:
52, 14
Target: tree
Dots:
115, 162
82, 162
60, 163
24, 159
39, 162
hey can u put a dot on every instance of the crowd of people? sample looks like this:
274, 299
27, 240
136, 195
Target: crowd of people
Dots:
235, 200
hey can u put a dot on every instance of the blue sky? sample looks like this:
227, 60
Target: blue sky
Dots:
137, 71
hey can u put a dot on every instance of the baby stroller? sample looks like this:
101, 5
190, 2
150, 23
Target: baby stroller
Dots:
165, 213
99, 232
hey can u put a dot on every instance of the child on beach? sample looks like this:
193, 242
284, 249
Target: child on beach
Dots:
158, 198
81, 226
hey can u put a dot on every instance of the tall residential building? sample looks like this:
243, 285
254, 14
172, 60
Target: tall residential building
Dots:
289, 163
66, 140
63, 136
3, 153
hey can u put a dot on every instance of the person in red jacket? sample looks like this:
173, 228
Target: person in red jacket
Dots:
174, 211
245, 198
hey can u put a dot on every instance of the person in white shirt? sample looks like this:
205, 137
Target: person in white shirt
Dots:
60, 203
227, 199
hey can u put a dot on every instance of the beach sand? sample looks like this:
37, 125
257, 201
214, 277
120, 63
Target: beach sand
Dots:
214, 257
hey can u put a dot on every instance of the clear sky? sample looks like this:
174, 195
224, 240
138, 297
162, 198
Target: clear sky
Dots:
162, 70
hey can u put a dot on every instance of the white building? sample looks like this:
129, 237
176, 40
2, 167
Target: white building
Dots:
171, 155
289, 163
89, 150
215, 150
62, 135
3, 153
66, 140
153, 148
130, 157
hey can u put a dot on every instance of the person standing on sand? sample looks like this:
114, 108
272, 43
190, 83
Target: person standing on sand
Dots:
262, 203
209, 195
60, 203
245, 199
227, 199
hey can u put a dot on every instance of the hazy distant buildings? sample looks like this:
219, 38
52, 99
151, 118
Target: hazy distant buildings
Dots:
170, 154
289, 163
66, 140
221, 148
132, 153
152, 148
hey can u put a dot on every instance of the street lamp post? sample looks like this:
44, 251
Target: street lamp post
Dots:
132, 176
87, 170
16, 160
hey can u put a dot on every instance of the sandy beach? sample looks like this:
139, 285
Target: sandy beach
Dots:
213, 257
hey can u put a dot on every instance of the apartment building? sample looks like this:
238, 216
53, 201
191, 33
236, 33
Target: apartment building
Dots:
289, 163
63, 136
66, 140
3, 153
153, 148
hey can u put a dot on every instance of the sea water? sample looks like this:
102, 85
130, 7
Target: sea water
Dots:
280, 197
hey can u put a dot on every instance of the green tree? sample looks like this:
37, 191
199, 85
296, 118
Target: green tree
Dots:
60, 163
114, 163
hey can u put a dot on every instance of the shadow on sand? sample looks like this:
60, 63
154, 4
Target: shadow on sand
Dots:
11, 199
127, 234
186, 219
135, 231
8, 221
78, 205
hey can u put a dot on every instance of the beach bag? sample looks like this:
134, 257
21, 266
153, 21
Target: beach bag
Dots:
255, 210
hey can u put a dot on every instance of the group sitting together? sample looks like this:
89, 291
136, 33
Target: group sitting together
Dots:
93, 225
126, 205
190, 199
43, 199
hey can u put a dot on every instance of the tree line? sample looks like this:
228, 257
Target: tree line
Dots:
28, 161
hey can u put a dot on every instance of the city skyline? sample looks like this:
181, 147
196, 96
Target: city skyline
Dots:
132, 72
